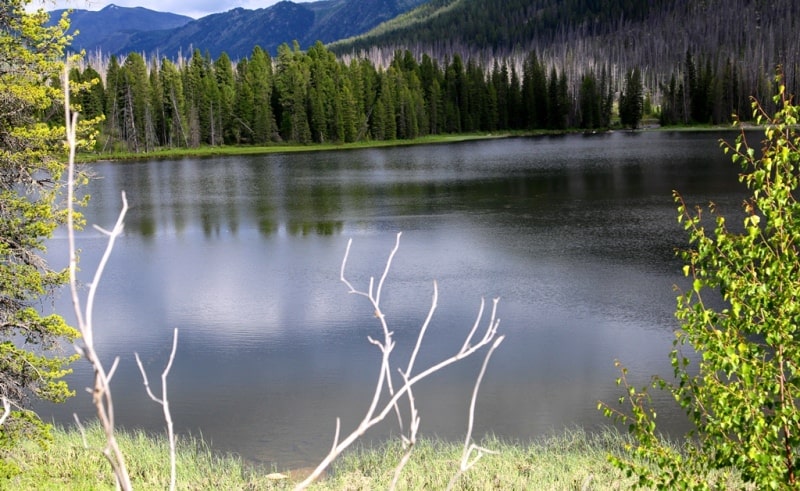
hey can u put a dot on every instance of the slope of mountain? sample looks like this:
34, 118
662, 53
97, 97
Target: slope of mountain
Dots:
581, 35
237, 31
110, 28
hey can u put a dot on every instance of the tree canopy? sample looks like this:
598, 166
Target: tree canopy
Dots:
32, 363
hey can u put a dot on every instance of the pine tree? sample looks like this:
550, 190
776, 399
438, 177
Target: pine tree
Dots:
112, 104
223, 71
292, 83
589, 102
630, 100
31, 361
134, 90
534, 93
259, 80
173, 105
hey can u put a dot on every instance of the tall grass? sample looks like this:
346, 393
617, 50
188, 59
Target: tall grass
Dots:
221, 150
566, 461
572, 460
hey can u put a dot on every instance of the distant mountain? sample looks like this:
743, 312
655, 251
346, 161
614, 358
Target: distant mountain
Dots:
110, 29
235, 32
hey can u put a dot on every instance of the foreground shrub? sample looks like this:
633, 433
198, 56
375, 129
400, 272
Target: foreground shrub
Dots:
742, 392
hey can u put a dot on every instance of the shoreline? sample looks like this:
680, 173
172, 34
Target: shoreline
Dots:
233, 150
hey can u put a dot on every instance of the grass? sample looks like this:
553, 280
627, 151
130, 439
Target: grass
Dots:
210, 151
566, 461
219, 150
572, 460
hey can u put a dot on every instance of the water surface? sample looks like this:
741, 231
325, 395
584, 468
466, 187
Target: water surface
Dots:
576, 235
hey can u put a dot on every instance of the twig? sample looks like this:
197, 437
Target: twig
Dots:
164, 401
101, 393
467, 464
374, 415
81, 429
6, 410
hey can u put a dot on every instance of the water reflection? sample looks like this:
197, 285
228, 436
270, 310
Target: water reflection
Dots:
576, 234
317, 193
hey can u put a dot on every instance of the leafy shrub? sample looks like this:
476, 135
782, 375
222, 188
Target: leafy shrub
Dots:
741, 393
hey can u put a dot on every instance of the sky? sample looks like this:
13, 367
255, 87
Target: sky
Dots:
192, 8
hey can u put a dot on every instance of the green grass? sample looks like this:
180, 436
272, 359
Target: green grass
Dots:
572, 460
565, 461
210, 151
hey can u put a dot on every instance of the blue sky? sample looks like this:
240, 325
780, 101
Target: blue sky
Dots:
192, 8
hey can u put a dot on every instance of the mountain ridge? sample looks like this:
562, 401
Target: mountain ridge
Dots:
111, 26
120, 30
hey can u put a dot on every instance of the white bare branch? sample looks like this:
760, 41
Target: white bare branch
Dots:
6, 410
469, 447
164, 401
81, 429
377, 412
101, 393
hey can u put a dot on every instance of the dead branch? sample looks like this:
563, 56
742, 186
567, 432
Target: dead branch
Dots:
164, 401
377, 413
101, 393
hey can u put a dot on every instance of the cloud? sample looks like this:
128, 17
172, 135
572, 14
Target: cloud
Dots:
194, 9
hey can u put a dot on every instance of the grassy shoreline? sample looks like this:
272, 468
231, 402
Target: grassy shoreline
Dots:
564, 461
231, 150
573, 459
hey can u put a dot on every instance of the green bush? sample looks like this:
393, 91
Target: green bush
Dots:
738, 383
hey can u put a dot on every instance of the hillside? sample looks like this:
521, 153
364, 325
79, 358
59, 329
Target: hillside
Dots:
235, 32
576, 35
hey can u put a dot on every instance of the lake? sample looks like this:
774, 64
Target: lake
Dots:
576, 234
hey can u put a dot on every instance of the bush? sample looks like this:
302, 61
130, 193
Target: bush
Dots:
741, 394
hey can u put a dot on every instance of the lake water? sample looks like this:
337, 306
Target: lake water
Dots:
576, 235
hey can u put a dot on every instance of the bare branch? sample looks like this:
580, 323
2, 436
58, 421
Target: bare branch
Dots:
6, 410
101, 393
81, 429
467, 464
164, 401
376, 414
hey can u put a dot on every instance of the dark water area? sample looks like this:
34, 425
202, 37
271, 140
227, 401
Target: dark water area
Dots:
576, 234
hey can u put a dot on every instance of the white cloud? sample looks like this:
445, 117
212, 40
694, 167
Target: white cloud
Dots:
194, 9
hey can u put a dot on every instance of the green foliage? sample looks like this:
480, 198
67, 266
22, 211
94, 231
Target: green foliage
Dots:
565, 461
631, 101
742, 397
31, 361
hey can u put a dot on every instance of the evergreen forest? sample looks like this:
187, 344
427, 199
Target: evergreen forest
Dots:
313, 96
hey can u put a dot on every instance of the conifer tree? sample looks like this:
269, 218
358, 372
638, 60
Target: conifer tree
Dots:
223, 71
292, 83
630, 100
173, 105
259, 79
589, 102
134, 90
31, 362
112, 102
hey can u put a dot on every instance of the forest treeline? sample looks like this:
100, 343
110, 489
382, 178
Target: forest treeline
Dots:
312, 96
577, 35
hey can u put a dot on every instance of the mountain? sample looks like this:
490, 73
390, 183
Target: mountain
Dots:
237, 31
657, 36
110, 29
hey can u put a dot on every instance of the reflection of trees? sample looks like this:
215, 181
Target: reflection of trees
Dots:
317, 194
218, 192
314, 209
